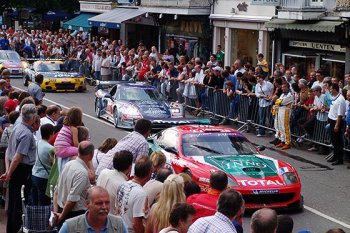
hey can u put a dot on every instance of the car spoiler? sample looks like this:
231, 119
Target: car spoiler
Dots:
159, 124
109, 84
32, 60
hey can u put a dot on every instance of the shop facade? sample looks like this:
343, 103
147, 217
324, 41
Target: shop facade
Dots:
306, 37
240, 29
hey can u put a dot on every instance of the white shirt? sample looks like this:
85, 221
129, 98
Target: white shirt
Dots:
319, 102
265, 89
106, 63
112, 180
337, 108
43, 121
96, 63
199, 77
132, 203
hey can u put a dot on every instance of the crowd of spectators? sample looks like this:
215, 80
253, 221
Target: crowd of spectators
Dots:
55, 149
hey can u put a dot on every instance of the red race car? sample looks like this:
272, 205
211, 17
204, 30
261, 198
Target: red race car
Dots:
200, 149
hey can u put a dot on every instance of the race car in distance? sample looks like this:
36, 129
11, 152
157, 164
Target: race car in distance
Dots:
126, 102
200, 149
12, 61
56, 77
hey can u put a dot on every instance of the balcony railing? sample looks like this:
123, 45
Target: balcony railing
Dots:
176, 3
302, 4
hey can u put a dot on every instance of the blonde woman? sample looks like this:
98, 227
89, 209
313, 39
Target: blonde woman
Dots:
172, 193
158, 161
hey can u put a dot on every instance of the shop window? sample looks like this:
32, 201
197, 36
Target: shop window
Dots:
333, 68
245, 45
316, 3
303, 64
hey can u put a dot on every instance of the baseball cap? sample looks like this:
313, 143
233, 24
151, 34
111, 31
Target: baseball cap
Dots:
217, 68
10, 105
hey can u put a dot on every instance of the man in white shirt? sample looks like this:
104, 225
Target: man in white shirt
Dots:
132, 199
96, 64
105, 67
264, 92
111, 180
336, 116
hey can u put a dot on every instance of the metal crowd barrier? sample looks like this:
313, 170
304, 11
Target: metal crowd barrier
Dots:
216, 103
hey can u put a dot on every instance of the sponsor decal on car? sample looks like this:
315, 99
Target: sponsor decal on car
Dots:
265, 191
263, 183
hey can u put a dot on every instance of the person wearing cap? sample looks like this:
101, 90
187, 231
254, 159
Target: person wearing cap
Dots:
9, 106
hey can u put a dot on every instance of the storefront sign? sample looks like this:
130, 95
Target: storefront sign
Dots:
317, 45
266, 2
98, 7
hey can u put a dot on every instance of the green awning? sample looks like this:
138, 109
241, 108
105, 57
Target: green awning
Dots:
308, 25
79, 22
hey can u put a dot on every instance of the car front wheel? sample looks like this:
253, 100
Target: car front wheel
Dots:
115, 117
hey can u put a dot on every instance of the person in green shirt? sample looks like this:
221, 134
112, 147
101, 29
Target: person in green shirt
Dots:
220, 55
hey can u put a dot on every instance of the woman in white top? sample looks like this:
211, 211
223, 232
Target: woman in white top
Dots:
106, 145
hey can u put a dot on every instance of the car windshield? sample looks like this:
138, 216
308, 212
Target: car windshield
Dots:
48, 67
137, 93
216, 143
9, 55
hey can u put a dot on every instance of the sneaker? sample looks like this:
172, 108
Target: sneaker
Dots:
281, 144
259, 135
285, 147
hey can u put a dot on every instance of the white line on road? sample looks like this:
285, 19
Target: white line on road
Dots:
312, 210
327, 217
63, 106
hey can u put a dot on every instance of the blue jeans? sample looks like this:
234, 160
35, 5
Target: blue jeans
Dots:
263, 113
97, 75
204, 100
38, 191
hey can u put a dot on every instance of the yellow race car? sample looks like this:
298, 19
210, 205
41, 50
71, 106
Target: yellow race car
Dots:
56, 76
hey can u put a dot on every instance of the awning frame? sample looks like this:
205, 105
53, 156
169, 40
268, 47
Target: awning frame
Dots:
115, 17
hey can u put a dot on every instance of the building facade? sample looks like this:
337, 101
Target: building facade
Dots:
312, 35
239, 27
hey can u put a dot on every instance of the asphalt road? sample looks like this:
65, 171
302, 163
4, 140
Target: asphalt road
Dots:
326, 189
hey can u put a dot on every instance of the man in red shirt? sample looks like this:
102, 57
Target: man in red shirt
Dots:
205, 203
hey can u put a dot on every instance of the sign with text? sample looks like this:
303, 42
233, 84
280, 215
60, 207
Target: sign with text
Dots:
266, 2
317, 45
95, 7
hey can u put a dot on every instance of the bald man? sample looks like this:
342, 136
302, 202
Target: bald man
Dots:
264, 221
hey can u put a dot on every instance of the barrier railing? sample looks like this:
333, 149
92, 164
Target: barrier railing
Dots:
243, 109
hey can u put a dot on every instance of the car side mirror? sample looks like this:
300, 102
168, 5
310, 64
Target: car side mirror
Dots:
171, 150
260, 148
108, 96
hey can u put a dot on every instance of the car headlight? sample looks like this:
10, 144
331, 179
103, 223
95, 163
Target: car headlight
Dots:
290, 178
175, 110
232, 182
